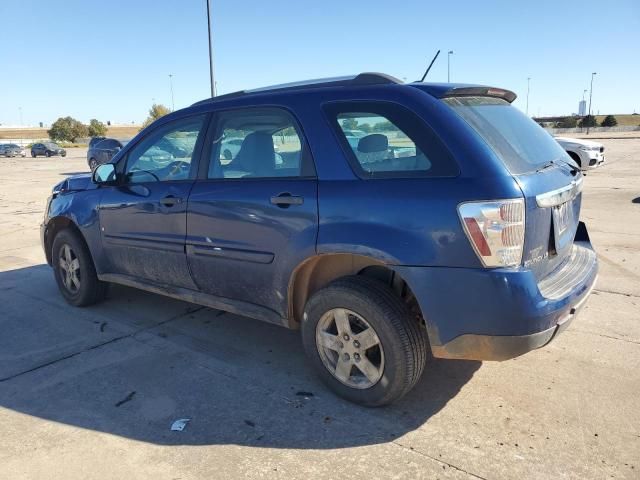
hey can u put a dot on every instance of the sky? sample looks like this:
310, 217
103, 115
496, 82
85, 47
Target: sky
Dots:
112, 59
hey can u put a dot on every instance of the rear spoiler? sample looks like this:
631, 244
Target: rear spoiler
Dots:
507, 95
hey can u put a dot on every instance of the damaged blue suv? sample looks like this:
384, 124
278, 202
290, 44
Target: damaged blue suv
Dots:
389, 222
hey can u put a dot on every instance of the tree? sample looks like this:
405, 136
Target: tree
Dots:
67, 129
97, 128
609, 121
588, 121
156, 111
349, 124
567, 122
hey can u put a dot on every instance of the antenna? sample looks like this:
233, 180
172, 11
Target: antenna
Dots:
430, 65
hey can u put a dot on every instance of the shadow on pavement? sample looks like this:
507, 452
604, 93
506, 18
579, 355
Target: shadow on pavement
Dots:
135, 363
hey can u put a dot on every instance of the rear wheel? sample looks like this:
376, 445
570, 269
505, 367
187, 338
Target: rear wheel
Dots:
48, 154
74, 270
33, 154
363, 341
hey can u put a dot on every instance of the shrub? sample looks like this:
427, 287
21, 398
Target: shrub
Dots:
68, 129
609, 121
97, 128
588, 121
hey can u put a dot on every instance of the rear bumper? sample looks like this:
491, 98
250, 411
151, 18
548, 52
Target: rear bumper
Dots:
498, 314
505, 347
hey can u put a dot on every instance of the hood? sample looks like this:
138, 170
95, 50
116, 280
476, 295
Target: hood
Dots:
74, 183
578, 141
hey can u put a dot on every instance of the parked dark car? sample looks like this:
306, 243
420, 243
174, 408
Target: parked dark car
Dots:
12, 150
450, 229
48, 149
102, 151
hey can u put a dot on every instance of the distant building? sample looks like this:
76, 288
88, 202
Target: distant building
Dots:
582, 108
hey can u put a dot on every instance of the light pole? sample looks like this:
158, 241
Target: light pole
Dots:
590, 97
449, 65
213, 83
528, 85
171, 88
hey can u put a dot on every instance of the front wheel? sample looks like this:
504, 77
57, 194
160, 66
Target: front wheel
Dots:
33, 154
74, 270
363, 341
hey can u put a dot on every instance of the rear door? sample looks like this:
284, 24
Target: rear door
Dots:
253, 216
143, 220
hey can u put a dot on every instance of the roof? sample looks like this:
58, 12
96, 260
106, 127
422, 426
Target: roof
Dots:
438, 90
366, 78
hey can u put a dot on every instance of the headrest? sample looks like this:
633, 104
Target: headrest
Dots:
375, 142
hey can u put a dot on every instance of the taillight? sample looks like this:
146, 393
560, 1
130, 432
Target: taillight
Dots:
496, 230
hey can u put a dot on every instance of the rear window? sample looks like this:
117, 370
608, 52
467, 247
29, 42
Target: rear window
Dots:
384, 140
520, 142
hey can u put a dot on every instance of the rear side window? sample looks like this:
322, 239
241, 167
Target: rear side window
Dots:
387, 140
520, 142
258, 143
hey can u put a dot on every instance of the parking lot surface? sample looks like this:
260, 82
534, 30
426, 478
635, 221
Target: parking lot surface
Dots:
92, 393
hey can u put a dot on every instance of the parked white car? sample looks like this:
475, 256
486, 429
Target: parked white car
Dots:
586, 153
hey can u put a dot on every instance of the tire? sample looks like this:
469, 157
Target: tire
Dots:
398, 358
88, 289
93, 163
576, 158
47, 154
33, 154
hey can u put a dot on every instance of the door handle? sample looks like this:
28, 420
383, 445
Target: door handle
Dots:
284, 200
170, 201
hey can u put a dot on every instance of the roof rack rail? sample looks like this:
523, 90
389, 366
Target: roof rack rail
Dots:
366, 78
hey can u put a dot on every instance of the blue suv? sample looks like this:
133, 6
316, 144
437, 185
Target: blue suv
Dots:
389, 222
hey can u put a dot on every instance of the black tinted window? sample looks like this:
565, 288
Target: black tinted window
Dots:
519, 141
258, 143
384, 139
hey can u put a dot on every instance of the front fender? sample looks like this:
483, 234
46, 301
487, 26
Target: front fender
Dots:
75, 210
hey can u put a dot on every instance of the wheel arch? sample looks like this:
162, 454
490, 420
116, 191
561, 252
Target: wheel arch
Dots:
54, 226
318, 271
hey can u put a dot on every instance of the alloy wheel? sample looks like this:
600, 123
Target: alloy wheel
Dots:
349, 348
69, 269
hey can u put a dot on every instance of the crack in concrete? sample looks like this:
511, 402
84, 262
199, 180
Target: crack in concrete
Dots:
607, 336
616, 293
99, 345
443, 462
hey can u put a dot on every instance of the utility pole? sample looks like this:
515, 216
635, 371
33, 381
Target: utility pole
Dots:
171, 88
590, 97
449, 65
213, 83
528, 84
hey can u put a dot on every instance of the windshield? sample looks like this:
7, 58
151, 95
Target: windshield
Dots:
51, 145
520, 142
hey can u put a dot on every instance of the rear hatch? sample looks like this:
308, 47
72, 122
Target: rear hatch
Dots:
549, 179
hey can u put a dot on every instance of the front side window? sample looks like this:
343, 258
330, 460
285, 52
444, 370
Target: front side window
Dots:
166, 154
387, 140
257, 143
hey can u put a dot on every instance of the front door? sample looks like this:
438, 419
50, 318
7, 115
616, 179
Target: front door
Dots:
255, 216
143, 219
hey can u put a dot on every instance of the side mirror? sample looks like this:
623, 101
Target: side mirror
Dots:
104, 174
